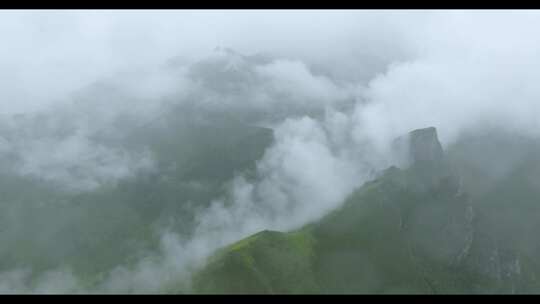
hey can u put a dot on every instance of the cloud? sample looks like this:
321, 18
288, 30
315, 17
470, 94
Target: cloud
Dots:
77, 164
463, 77
59, 281
56, 52
293, 80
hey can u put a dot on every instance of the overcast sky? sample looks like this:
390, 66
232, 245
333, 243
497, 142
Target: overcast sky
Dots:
46, 54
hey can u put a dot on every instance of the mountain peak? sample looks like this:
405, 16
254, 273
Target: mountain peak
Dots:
419, 146
424, 145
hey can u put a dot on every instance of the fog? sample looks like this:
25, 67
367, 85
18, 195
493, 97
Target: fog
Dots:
336, 87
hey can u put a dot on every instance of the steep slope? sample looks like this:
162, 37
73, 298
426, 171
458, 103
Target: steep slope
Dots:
267, 262
413, 230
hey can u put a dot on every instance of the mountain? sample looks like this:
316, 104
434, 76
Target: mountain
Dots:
42, 226
196, 147
423, 228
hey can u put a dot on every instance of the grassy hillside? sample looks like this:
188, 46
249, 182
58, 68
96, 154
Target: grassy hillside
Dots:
267, 262
414, 230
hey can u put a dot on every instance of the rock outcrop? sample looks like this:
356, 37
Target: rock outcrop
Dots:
420, 146
425, 146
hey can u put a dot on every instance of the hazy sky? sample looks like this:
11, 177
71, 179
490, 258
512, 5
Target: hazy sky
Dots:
54, 52
47, 54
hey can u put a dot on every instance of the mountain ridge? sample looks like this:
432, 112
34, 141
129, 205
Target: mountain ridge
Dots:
413, 230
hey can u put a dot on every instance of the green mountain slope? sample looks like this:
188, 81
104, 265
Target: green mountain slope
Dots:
267, 262
413, 230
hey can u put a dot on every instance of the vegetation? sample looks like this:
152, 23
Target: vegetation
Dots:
413, 230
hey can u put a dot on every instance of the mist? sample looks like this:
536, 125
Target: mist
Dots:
79, 89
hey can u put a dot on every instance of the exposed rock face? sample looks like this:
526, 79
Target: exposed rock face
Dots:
421, 151
425, 146
420, 146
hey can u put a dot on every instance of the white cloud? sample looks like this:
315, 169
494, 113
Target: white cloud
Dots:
77, 164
